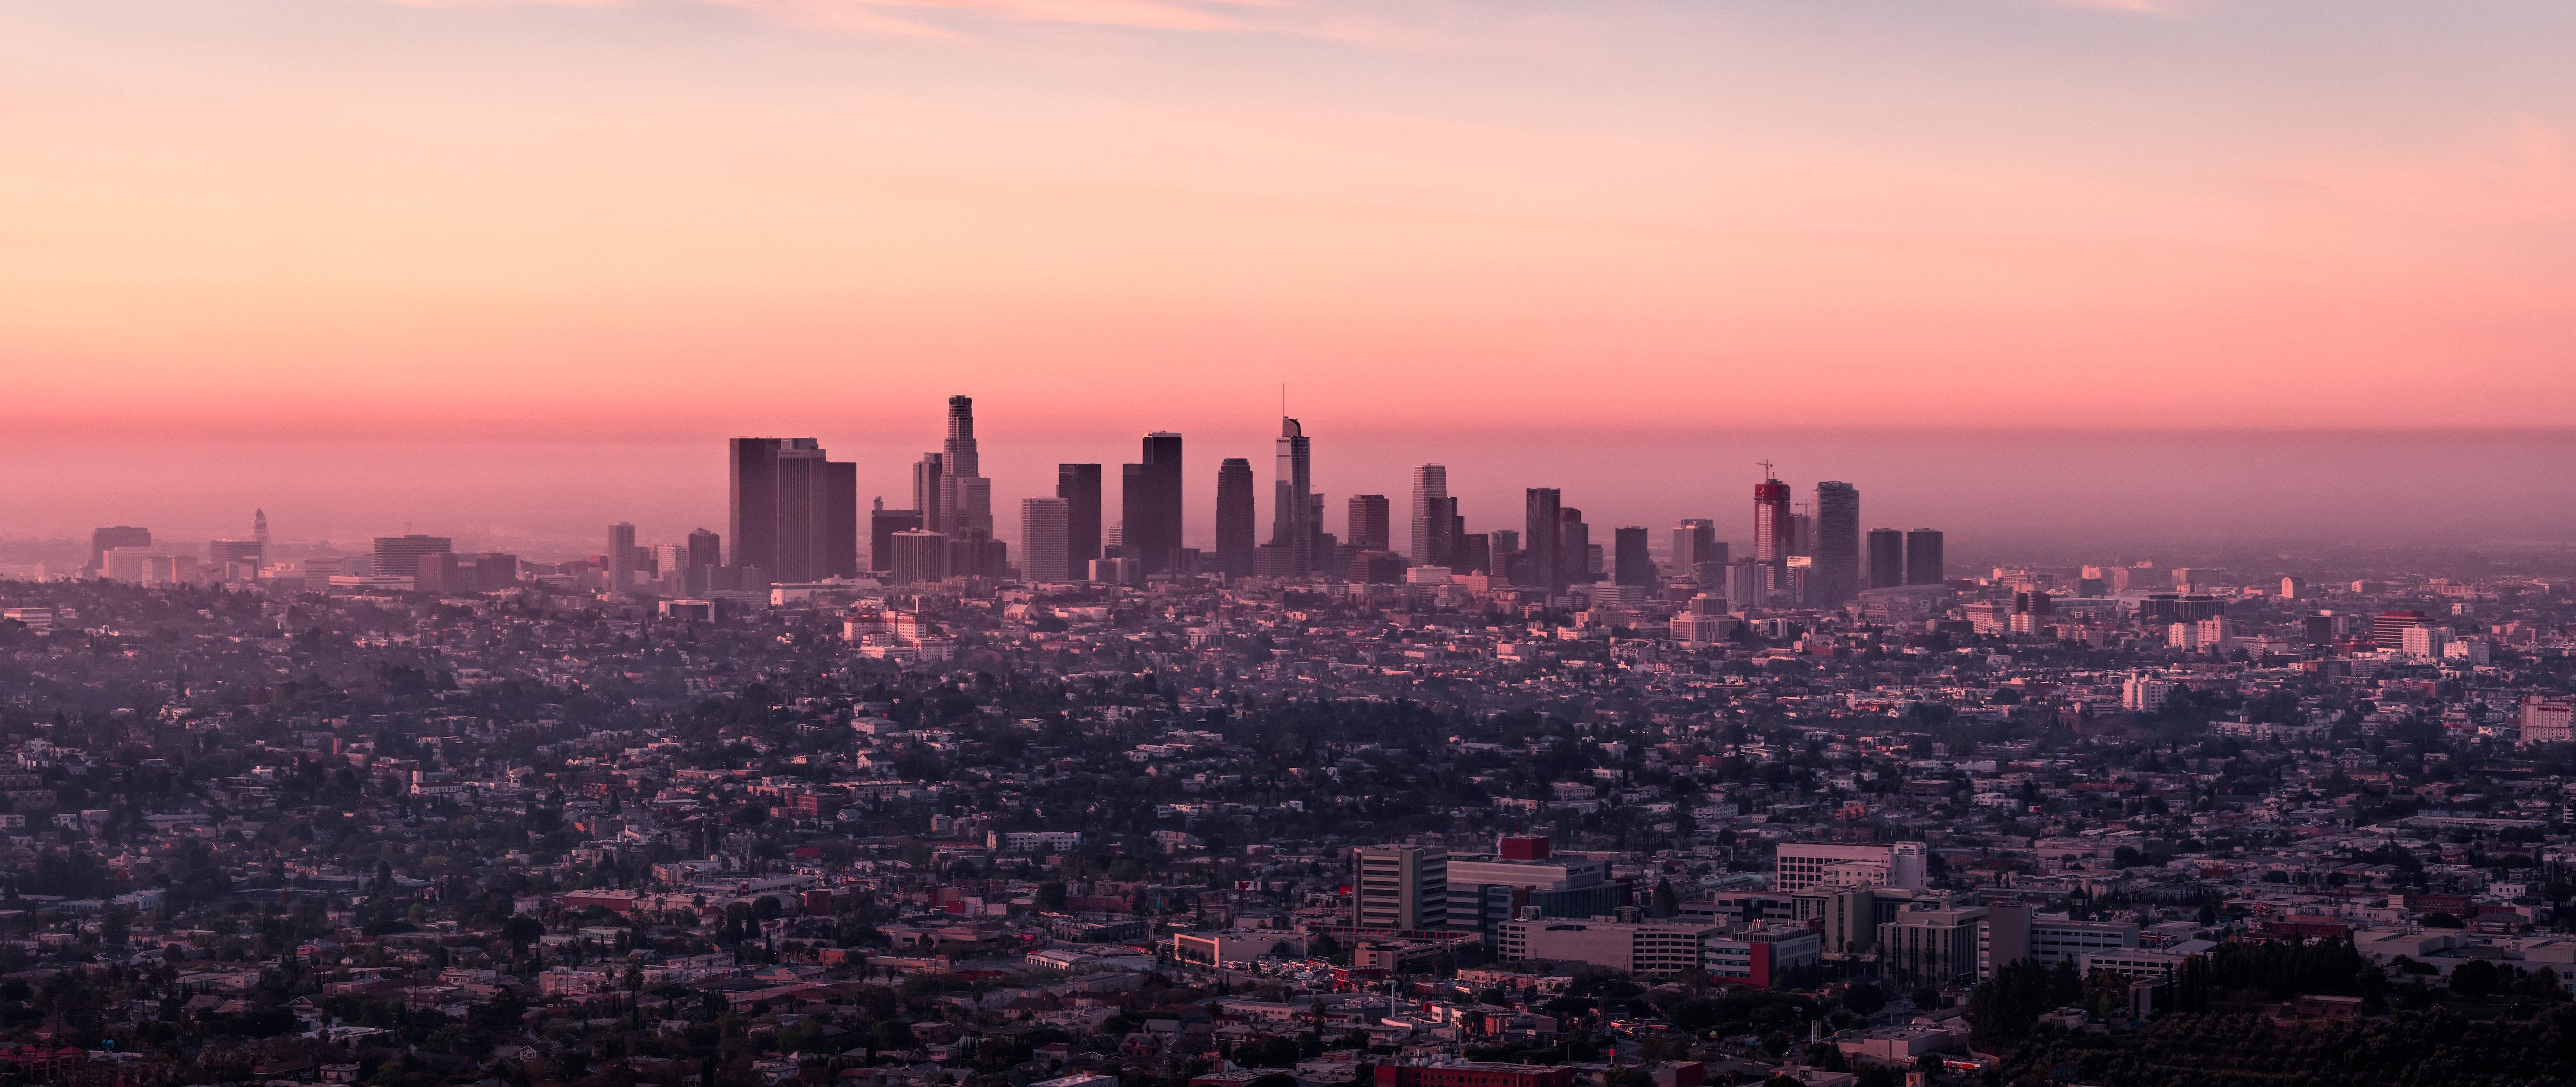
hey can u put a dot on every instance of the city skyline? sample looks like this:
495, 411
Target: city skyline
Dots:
1998, 491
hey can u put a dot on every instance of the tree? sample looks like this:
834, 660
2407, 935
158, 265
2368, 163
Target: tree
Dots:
2475, 978
1864, 999
1665, 903
892, 1034
522, 930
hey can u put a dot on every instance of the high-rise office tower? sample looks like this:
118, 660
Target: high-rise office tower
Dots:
621, 557
1802, 534
1770, 522
927, 474
1837, 544
1370, 517
1433, 512
1402, 887
232, 552
1079, 486
103, 540
1540, 533
399, 556
706, 548
1471, 552
836, 533
1046, 539
1746, 583
1319, 543
1293, 497
920, 555
1234, 516
1149, 502
795, 513
1923, 557
883, 524
1886, 558
800, 472
1694, 539
1630, 562
259, 528
965, 496
1573, 547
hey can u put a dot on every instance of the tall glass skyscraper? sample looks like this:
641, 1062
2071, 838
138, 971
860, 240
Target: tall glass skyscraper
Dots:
1886, 558
1630, 563
1431, 515
794, 512
1045, 554
1079, 486
1837, 545
965, 496
1234, 516
1923, 557
1771, 521
1149, 502
1539, 536
1293, 497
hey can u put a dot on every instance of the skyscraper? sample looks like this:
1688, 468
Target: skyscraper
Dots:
1539, 537
1770, 521
1150, 502
883, 524
836, 530
1432, 513
1046, 539
259, 528
1630, 562
1370, 527
399, 556
1694, 542
1470, 552
706, 548
927, 474
1837, 545
1234, 516
621, 557
795, 513
1293, 497
1573, 547
1923, 557
965, 496
920, 555
1886, 558
1401, 887
1079, 486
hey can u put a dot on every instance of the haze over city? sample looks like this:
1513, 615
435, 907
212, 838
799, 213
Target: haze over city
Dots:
1287, 543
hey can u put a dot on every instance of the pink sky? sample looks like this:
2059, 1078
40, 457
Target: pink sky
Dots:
691, 217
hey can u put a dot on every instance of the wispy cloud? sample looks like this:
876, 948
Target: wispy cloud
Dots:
938, 18
2133, 7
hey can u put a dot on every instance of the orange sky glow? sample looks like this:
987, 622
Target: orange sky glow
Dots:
352, 246
699, 216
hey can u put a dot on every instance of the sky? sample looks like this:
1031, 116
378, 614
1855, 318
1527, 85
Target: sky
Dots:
374, 258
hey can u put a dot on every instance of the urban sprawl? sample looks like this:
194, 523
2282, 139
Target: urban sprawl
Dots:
871, 798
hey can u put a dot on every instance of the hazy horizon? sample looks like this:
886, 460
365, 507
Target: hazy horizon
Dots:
2096, 271
2112, 495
